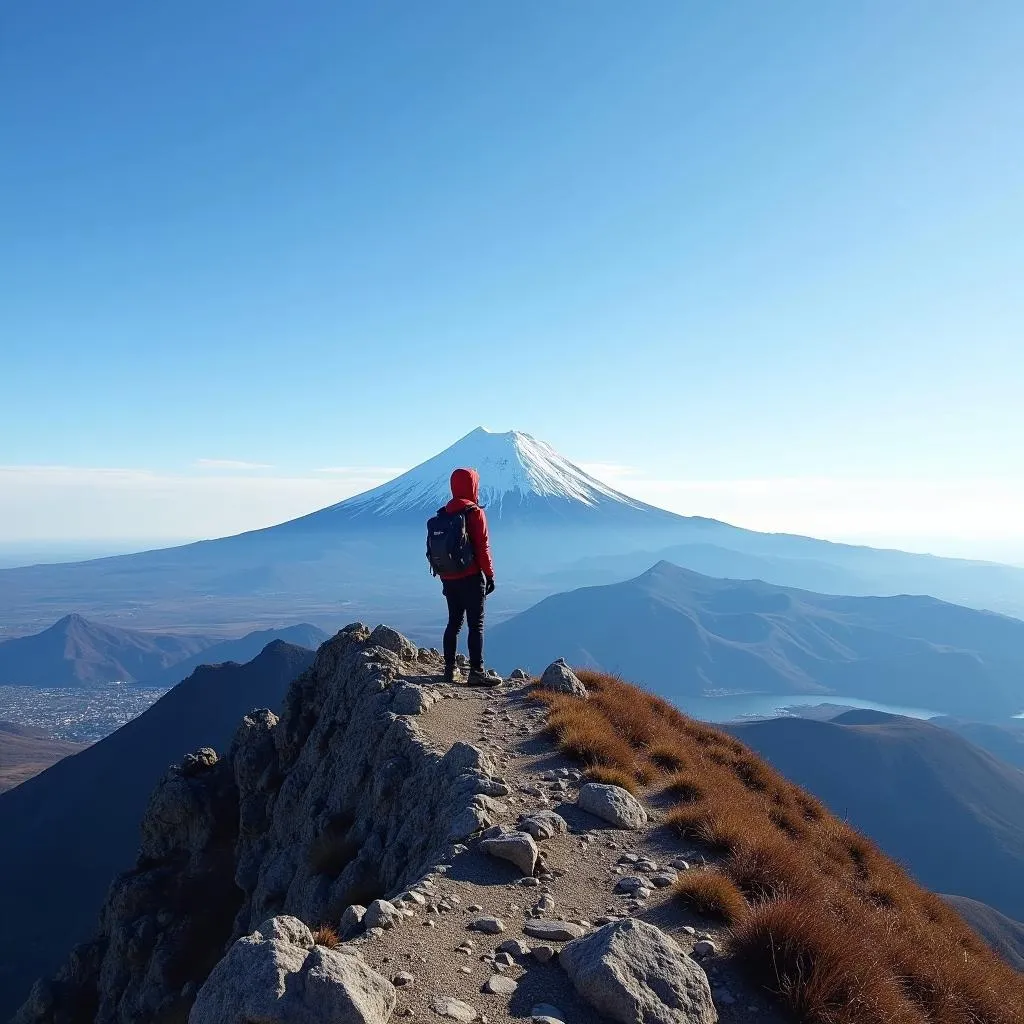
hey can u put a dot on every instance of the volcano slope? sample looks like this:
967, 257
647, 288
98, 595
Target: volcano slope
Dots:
377, 808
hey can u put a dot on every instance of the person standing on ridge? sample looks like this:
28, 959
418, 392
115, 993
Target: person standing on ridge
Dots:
459, 551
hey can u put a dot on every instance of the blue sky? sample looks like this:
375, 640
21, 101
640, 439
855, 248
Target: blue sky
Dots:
758, 261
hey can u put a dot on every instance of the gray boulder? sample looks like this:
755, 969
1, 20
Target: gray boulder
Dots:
612, 804
393, 641
543, 824
352, 920
382, 914
412, 699
517, 847
630, 971
275, 981
453, 1009
560, 678
553, 931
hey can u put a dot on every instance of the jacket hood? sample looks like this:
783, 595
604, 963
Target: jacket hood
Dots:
466, 485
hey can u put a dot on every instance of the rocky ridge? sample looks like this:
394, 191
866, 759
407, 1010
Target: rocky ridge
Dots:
437, 831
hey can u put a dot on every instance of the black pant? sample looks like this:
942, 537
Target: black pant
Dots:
465, 599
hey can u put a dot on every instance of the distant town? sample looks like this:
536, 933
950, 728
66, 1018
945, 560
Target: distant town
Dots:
79, 714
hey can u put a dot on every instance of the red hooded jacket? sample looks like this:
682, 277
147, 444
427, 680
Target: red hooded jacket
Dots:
466, 493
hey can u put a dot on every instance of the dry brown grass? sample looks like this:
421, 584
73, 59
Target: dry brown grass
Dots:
711, 893
820, 915
614, 777
325, 935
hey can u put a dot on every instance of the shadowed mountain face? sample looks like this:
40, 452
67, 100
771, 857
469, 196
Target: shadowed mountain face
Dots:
951, 813
77, 652
1003, 741
241, 650
68, 831
25, 752
1003, 934
682, 633
554, 526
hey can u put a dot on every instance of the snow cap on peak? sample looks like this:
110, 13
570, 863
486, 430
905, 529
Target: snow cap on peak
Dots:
512, 465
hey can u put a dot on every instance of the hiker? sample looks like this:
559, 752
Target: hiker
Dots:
459, 551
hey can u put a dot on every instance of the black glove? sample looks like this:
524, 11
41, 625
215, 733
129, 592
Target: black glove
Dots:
489, 588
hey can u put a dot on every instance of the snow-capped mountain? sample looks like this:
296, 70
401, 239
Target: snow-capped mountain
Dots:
553, 527
520, 477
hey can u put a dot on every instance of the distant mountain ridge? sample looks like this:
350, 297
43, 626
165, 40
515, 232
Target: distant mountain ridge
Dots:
952, 813
241, 650
78, 652
683, 633
75, 651
68, 831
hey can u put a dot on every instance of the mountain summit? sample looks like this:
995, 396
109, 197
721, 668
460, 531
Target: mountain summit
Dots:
520, 477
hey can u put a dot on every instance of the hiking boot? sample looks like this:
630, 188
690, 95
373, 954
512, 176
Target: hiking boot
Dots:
449, 675
478, 677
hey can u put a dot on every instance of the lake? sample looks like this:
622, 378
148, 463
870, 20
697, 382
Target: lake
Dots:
760, 705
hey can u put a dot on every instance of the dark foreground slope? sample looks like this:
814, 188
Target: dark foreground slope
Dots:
679, 632
67, 832
77, 652
1003, 934
25, 752
952, 813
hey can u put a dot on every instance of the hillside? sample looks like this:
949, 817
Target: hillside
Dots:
953, 814
240, 651
432, 852
25, 752
683, 633
553, 524
77, 652
69, 830
1002, 934
1003, 741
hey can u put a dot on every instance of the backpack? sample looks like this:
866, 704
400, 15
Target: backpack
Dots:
449, 548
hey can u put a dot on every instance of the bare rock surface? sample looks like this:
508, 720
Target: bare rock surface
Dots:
543, 824
631, 970
277, 976
612, 804
516, 847
560, 678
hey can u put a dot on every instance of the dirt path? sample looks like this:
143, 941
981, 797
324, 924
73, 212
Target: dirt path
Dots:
577, 885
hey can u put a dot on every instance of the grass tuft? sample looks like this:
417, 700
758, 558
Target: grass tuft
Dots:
613, 777
711, 893
325, 935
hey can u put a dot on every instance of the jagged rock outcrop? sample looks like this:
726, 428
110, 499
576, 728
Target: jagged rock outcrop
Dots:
152, 948
277, 975
338, 801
